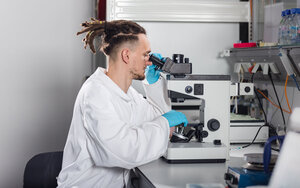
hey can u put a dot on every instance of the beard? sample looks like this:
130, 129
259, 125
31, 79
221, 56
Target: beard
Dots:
136, 76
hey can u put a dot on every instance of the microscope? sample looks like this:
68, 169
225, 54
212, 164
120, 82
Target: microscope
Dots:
205, 100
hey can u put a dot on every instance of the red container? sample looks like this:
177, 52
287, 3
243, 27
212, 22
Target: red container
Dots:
244, 45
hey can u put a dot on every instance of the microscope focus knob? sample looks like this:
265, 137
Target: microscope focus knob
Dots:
204, 134
188, 89
213, 124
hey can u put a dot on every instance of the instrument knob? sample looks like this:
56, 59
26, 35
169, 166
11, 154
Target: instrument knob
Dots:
247, 89
188, 89
213, 124
204, 134
229, 177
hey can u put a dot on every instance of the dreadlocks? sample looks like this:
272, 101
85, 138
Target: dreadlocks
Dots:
112, 33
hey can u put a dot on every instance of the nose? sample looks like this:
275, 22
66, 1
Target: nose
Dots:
148, 62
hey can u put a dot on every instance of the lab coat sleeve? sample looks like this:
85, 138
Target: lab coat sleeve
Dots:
111, 142
157, 95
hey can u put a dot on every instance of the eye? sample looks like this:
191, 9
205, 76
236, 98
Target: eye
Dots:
146, 56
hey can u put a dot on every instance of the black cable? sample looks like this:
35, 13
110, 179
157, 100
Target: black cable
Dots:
265, 125
270, 76
252, 78
254, 136
265, 117
260, 105
275, 149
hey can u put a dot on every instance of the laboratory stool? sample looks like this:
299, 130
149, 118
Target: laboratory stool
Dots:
42, 170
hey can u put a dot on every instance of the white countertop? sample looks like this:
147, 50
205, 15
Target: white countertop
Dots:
163, 175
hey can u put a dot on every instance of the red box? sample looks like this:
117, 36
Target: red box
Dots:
244, 45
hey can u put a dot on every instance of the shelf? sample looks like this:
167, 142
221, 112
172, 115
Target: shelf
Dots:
266, 55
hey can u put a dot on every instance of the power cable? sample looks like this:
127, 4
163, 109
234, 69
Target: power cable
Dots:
265, 118
270, 76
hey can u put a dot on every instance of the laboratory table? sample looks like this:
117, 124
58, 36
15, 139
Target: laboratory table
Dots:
161, 174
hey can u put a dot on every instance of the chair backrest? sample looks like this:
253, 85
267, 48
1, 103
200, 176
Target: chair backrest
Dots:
42, 169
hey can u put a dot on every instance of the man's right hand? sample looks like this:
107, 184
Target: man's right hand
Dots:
172, 129
152, 73
175, 118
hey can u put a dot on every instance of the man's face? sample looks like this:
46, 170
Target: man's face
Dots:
140, 58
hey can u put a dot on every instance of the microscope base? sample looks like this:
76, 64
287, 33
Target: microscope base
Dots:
196, 152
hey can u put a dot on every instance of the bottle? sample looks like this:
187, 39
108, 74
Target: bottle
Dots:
281, 29
297, 18
293, 26
287, 33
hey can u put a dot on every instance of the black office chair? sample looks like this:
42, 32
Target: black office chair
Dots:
42, 169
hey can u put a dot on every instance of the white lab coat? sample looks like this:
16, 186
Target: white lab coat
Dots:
112, 132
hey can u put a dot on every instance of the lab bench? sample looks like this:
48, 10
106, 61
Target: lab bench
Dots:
161, 174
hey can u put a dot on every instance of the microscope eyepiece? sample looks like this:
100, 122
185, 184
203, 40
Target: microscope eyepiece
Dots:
167, 65
156, 61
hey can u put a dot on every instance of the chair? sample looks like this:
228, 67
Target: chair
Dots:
42, 169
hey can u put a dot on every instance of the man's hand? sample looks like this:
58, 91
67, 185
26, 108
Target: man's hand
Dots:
175, 118
172, 129
152, 74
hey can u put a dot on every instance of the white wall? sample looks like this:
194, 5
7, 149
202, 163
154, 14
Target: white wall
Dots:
42, 66
200, 42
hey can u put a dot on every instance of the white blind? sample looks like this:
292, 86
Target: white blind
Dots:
179, 10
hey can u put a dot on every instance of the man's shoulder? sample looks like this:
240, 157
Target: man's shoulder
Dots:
94, 89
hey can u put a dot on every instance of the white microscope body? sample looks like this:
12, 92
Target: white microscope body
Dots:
214, 114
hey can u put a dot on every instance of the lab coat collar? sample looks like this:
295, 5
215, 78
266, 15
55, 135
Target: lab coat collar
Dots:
100, 75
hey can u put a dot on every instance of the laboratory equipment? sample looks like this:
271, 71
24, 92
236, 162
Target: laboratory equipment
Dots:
206, 139
252, 172
241, 177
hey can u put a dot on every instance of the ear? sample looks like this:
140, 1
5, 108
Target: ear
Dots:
125, 53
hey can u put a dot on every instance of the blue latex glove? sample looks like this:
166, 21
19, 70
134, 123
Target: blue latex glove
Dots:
152, 74
175, 118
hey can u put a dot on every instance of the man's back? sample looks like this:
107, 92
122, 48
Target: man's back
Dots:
106, 135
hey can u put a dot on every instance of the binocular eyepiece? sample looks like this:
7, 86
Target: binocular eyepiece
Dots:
156, 61
178, 66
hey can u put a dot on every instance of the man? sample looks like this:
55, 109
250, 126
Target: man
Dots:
115, 129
